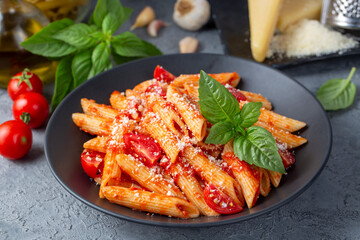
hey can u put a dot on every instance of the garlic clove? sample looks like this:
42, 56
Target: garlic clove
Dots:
146, 16
191, 14
188, 45
154, 27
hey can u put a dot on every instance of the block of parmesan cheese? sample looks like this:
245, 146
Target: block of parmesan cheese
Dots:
293, 11
263, 16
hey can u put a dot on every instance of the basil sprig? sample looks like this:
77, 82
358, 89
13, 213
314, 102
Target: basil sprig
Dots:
85, 50
337, 93
252, 144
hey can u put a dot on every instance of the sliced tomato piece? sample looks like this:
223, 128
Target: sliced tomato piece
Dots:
287, 157
236, 93
156, 88
219, 201
162, 75
92, 163
144, 147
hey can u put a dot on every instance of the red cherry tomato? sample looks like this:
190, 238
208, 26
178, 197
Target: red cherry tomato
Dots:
92, 163
144, 147
219, 201
15, 139
23, 82
236, 93
33, 103
162, 75
156, 88
287, 157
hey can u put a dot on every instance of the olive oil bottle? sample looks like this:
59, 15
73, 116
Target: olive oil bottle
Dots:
18, 21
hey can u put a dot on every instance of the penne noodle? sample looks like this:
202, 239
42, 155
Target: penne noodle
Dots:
279, 121
111, 171
248, 179
212, 173
188, 183
147, 177
118, 101
286, 138
98, 144
151, 202
256, 97
157, 129
92, 124
141, 87
99, 110
168, 114
191, 115
224, 78
264, 181
275, 178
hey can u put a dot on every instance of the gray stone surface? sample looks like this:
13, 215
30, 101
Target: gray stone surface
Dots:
34, 206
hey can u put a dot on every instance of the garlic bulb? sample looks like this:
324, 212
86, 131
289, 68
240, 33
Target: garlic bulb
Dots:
188, 45
191, 14
146, 16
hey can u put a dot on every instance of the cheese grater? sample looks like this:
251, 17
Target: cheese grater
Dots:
341, 13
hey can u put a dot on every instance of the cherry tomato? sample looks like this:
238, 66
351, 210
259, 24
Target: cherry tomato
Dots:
33, 103
15, 139
287, 157
23, 82
236, 93
144, 147
156, 88
92, 163
219, 201
162, 75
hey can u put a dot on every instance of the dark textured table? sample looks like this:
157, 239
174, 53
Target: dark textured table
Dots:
33, 205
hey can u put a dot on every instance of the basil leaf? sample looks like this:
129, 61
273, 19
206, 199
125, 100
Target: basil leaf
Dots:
258, 147
337, 94
78, 35
63, 81
103, 7
81, 67
42, 43
121, 59
249, 114
101, 58
217, 104
110, 24
128, 44
221, 133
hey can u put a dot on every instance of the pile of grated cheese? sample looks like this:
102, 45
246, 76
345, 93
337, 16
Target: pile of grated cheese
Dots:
309, 37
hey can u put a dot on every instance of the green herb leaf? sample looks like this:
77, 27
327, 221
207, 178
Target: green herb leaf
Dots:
217, 104
249, 114
221, 133
78, 35
128, 44
337, 94
121, 59
82, 67
63, 81
103, 7
258, 147
43, 43
101, 58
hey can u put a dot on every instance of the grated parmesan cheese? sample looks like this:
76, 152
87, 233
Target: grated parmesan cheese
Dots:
309, 37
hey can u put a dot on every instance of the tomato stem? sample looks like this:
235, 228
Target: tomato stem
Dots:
25, 117
25, 77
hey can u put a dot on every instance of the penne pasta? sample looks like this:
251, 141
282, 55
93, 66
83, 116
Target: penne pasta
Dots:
191, 115
92, 124
111, 171
275, 178
146, 177
99, 110
264, 181
118, 101
255, 97
224, 78
98, 144
151, 202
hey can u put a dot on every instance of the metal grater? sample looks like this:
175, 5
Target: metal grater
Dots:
341, 13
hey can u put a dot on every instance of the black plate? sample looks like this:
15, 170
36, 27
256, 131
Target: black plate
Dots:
232, 20
63, 143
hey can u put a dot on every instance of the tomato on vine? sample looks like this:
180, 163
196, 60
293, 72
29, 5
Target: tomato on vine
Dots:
23, 82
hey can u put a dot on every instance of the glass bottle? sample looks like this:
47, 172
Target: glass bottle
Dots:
18, 21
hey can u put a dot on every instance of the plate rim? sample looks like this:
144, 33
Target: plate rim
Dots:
191, 225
